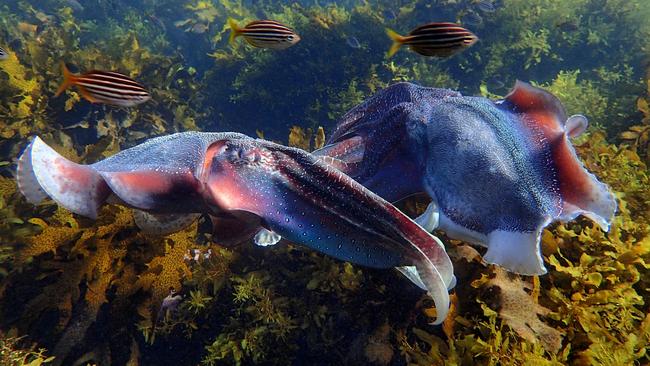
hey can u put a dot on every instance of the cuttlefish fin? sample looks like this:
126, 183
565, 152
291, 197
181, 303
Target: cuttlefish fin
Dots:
265, 238
580, 191
79, 188
163, 224
26, 179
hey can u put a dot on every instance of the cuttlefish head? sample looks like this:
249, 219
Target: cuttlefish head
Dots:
312, 204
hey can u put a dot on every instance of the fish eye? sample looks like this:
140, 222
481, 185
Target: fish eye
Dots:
289, 38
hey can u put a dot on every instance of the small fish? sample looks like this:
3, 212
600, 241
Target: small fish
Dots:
472, 19
264, 34
3, 54
485, 6
434, 39
353, 42
105, 87
199, 28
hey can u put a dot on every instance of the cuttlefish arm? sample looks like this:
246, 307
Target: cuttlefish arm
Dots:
310, 203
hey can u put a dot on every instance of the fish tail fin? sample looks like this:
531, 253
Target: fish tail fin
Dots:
235, 30
42, 172
68, 80
397, 41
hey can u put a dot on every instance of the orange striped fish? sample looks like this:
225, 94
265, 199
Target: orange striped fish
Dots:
434, 39
264, 34
105, 87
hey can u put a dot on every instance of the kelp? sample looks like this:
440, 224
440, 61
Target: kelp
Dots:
12, 353
93, 291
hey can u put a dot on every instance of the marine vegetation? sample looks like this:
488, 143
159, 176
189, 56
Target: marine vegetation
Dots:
85, 291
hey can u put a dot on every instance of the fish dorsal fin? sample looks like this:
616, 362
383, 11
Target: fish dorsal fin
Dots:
542, 108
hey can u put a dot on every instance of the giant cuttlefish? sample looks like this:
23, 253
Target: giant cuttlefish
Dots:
244, 184
497, 172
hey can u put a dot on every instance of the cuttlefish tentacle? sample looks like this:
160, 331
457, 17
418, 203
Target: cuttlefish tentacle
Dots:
245, 183
498, 171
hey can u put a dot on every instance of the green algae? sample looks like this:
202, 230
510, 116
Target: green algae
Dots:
281, 305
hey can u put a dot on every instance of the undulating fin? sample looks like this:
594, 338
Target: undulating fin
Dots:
79, 188
26, 180
581, 192
265, 238
163, 224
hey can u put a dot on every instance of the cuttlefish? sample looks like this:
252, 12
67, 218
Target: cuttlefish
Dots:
497, 172
249, 187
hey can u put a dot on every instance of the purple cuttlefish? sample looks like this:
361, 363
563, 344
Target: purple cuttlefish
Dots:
244, 184
497, 172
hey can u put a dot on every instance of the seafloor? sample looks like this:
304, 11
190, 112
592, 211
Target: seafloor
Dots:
89, 292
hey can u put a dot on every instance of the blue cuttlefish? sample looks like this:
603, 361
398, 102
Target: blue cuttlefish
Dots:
497, 172
248, 187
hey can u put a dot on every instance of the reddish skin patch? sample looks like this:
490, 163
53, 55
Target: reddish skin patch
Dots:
575, 187
541, 110
153, 183
149, 182
225, 192
76, 178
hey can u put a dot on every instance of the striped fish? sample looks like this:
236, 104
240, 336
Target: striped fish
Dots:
3, 54
434, 39
105, 87
264, 34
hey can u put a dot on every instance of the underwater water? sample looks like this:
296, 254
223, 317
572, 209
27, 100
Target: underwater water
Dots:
77, 290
